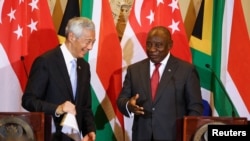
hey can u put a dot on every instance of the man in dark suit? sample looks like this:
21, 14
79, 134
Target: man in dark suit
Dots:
178, 92
49, 87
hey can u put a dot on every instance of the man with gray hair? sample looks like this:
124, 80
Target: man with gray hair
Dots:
59, 81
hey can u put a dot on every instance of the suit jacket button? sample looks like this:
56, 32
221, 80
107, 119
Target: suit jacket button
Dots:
153, 109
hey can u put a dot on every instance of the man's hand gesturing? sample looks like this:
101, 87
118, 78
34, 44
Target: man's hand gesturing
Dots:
133, 107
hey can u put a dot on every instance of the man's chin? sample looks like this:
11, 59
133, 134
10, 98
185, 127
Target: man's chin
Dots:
155, 59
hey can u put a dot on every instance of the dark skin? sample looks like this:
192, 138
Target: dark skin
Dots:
158, 45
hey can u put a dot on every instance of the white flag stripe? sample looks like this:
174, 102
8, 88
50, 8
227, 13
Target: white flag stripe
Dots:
225, 77
226, 32
206, 95
129, 40
236, 98
11, 91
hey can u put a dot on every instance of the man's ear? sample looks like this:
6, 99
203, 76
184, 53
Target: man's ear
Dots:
72, 37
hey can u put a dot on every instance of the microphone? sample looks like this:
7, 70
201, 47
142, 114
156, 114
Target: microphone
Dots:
24, 66
220, 84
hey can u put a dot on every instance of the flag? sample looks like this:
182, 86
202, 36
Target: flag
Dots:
143, 16
72, 10
223, 43
60, 19
106, 71
147, 14
233, 67
200, 43
26, 31
191, 15
57, 14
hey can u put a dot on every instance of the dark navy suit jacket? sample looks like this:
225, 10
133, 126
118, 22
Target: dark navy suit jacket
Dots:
49, 85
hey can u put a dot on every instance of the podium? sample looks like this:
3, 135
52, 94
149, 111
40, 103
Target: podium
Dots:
26, 126
191, 128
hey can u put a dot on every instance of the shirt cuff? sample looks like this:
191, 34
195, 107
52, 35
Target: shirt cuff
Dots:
131, 114
57, 115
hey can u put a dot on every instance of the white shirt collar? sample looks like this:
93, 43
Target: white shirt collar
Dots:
163, 62
162, 67
68, 57
66, 54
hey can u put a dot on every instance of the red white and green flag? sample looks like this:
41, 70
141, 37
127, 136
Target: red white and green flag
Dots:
106, 71
223, 43
25, 26
234, 68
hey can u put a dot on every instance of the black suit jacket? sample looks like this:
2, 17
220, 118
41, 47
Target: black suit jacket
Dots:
178, 94
49, 85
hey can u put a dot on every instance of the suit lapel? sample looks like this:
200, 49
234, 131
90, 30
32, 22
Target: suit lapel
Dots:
60, 62
145, 75
81, 75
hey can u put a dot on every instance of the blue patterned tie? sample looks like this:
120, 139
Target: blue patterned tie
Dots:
73, 76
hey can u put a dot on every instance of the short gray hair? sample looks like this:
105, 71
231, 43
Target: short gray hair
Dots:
77, 24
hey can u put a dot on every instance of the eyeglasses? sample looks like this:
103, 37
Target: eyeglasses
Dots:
157, 45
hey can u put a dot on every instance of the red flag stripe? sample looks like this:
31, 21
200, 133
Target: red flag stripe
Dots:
239, 59
109, 60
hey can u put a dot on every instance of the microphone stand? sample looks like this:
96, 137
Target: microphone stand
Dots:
221, 86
